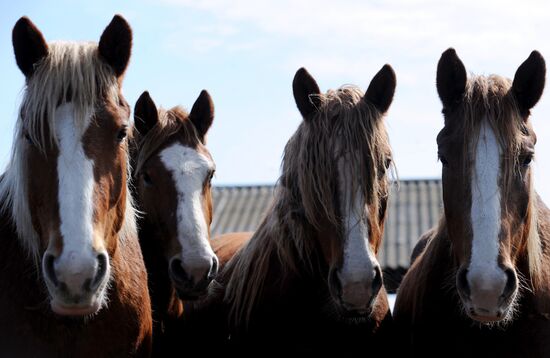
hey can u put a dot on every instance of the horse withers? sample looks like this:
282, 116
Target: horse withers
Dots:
74, 281
172, 175
479, 283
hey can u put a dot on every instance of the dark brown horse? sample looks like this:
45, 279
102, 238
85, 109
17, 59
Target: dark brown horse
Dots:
172, 174
73, 279
308, 279
480, 286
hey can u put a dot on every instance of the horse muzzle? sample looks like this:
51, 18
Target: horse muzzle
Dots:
77, 283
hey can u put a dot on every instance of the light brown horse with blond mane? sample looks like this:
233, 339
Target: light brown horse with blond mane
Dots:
480, 284
73, 279
308, 280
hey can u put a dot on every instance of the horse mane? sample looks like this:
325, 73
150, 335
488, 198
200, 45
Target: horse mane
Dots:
72, 71
170, 122
305, 194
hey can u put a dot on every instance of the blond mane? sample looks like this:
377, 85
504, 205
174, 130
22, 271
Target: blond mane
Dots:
71, 71
304, 197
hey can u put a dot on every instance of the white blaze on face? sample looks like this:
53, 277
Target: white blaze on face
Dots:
189, 169
357, 272
485, 277
75, 196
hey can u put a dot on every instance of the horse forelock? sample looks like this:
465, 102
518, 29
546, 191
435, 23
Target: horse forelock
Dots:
71, 72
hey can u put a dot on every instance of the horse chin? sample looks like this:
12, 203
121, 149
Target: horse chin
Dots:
501, 319
351, 316
486, 319
75, 311
187, 291
191, 295
354, 317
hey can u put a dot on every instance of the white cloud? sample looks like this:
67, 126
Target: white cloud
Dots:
340, 34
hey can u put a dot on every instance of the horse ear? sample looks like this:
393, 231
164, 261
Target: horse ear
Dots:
529, 82
115, 44
28, 44
382, 88
202, 114
451, 78
145, 114
306, 92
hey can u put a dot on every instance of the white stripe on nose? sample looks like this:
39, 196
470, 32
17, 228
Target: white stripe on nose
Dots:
486, 279
77, 261
189, 169
358, 267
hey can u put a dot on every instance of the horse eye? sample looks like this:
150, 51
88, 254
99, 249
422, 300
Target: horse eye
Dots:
526, 160
147, 180
122, 133
388, 163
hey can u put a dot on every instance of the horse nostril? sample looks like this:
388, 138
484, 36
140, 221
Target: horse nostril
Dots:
511, 283
214, 269
49, 270
177, 271
377, 281
462, 282
102, 265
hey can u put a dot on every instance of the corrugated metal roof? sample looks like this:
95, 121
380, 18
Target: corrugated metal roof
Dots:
414, 207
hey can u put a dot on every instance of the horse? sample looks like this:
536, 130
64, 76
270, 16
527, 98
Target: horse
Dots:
479, 285
172, 171
73, 278
308, 279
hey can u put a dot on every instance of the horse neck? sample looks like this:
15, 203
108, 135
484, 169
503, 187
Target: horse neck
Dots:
300, 268
164, 299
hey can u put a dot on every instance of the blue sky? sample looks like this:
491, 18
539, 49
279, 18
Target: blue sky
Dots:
245, 53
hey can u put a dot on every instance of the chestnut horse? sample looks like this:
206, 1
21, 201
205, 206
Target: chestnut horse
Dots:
172, 175
480, 287
308, 279
73, 279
